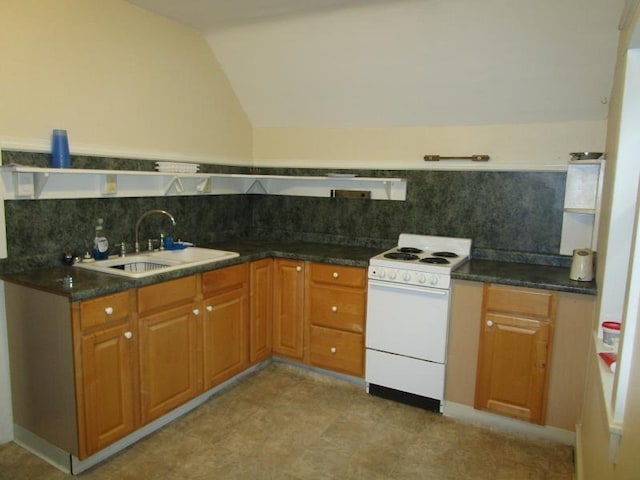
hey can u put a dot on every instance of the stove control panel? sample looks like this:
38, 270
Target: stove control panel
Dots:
410, 277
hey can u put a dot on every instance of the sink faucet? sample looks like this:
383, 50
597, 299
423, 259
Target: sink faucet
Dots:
146, 214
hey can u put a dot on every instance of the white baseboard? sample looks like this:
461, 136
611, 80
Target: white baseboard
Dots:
506, 424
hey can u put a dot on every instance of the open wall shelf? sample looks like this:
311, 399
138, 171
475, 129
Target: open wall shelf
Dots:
28, 183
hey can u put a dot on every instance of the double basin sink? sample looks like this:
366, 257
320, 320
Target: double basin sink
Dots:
151, 263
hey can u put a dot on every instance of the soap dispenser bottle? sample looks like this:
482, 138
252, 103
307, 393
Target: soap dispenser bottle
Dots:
100, 243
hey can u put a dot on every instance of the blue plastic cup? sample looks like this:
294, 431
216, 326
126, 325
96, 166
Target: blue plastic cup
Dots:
60, 149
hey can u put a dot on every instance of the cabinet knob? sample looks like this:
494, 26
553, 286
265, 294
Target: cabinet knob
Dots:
298, 268
108, 310
196, 311
336, 274
489, 323
334, 308
128, 335
209, 308
333, 350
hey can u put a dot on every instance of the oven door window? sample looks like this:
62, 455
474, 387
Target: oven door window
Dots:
407, 320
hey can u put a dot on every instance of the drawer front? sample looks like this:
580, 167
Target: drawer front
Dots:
338, 275
336, 350
98, 311
224, 278
173, 292
520, 300
339, 308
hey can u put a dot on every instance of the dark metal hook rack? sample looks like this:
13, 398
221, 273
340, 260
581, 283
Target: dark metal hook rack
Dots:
475, 158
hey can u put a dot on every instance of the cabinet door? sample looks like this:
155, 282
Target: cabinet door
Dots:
261, 310
224, 335
169, 372
512, 367
288, 308
108, 362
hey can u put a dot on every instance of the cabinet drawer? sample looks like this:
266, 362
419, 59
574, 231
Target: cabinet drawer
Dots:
224, 278
336, 350
339, 308
520, 300
98, 311
338, 275
173, 292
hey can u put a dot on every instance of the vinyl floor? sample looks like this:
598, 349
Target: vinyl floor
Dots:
288, 423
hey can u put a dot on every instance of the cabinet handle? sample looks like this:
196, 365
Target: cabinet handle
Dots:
334, 308
196, 311
489, 323
209, 308
108, 310
298, 268
336, 274
333, 350
128, 335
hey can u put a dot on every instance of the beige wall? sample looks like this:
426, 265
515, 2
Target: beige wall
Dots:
526, 146
119, 79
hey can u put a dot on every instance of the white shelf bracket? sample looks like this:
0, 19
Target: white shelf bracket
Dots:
256, 187
204, 186
177, 182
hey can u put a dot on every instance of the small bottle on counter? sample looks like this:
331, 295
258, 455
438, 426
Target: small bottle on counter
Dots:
100, 243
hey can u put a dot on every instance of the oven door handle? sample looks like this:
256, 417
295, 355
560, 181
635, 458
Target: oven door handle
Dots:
401, 286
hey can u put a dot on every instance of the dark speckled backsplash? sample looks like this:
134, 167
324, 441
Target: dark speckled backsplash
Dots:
517, 214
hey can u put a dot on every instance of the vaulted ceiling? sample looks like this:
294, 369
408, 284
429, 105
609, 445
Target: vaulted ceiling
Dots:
373, 63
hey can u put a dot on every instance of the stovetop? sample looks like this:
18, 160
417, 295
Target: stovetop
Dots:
420, 260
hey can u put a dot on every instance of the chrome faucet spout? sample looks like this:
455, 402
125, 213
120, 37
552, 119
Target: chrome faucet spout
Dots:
145, 215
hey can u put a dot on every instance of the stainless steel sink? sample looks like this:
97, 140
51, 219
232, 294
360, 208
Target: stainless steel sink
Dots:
152, 263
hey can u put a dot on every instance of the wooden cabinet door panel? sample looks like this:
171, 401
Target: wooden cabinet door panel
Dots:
108, 365
288, 306
225, 336
339, 308
512, 369
168, 359
337, 350
261, 310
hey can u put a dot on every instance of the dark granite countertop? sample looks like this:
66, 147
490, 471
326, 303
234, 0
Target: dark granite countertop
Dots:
88, 284
545, 277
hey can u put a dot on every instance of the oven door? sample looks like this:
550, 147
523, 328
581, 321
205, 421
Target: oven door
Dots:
408, 320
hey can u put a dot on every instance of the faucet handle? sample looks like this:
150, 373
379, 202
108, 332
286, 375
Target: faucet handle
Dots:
123, 249
149, 245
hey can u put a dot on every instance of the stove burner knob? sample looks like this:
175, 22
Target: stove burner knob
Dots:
381, 273
422, 278
392, 275
407, 276
433, 280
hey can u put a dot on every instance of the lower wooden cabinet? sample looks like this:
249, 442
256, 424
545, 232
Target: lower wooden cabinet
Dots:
335, 310
225, 325
337, 350
261, 310
514, 357
110, 386
107, 377
169, 365
288, 308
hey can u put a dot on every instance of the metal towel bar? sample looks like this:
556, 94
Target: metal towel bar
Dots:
475, 158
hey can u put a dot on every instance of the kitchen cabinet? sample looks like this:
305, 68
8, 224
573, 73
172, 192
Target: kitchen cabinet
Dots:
225, 325
516, 338
105, 330
288, 308
335, 313
170, 357
261, 310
